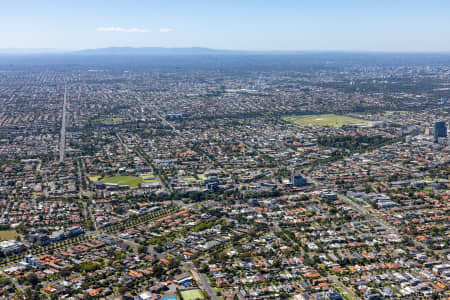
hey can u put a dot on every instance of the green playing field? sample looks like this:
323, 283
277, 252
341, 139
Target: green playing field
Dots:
329, 120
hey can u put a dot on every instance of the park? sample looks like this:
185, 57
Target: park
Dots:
326, 120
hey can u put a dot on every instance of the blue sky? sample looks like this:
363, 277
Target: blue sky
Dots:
373, 25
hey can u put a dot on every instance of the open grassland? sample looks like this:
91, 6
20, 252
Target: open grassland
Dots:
131, 181
328, 120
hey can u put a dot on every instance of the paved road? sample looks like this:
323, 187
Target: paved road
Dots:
335, 280
278, 229
331, 278
164, 121
375, 215
204, 283
62, 144
80, 179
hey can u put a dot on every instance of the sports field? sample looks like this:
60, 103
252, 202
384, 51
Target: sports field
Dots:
189, 178
131, 181
328, 120
93, 177
397, 111
192, 295
148, 177
8, 235
110, 120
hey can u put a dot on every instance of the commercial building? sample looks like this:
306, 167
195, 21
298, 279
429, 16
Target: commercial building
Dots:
298, 180
8, 247
440, 130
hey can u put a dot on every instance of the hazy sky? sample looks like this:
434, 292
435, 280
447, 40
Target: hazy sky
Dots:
375, 25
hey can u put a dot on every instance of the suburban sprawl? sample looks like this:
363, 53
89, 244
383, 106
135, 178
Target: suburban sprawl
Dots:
316, 176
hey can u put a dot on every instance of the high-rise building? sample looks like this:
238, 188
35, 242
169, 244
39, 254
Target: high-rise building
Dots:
298, 180
440, 130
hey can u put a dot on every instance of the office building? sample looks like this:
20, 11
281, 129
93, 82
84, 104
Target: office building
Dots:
298, 180
440, 130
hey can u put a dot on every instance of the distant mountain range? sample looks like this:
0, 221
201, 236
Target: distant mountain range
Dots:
161, 51
156, 51
140, 51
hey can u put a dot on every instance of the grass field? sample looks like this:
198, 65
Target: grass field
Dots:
189, 178
111, 120
328, 120
397, 111
8, 235
131, 181
192, 295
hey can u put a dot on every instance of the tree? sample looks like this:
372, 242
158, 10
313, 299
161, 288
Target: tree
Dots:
174, 263
158, 271
142, 249
204, 268
33, 279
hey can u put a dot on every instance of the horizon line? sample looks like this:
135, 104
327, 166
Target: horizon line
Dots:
23, 51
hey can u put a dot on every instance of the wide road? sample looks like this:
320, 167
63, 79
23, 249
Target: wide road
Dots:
62, 143
203, 282
165, 122
375, 215
331, 278
336, 281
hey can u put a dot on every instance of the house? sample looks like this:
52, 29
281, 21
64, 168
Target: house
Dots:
182, 278
145, 296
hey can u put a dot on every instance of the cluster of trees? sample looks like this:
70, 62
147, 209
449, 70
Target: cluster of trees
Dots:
353, 143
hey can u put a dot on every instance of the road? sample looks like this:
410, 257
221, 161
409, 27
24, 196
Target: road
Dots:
125, 146
139, 152
165, 122
203, 281
331, 278
62, 144
80, 178
149, 161
335, 280
86, 209
278, 229
375, 215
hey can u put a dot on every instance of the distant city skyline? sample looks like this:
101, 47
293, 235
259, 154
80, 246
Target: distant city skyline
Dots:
388, 26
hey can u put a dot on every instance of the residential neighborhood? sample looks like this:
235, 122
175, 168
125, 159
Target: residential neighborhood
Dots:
225, 182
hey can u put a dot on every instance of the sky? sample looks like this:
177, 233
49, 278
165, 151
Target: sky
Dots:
325, 25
